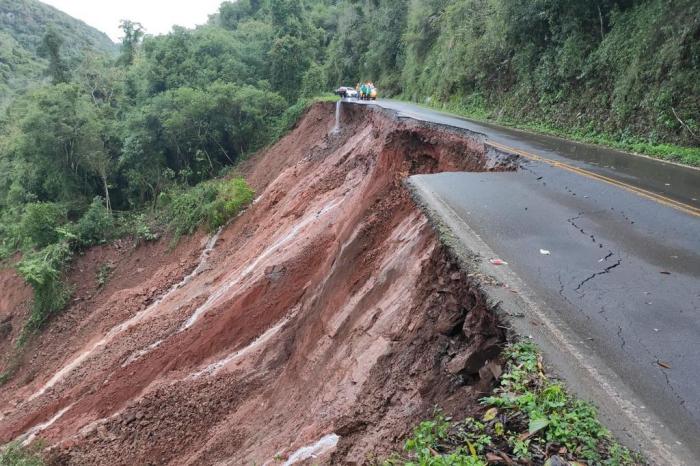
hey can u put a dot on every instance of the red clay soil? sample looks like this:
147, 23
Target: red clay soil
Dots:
326, 318
15, 298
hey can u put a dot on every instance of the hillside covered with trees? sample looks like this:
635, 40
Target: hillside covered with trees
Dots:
23, 56
111, 144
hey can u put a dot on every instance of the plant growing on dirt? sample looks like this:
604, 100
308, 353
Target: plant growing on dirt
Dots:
528, 418
211, 204
103, 274
15, 455
96, 225
42, 270
38, 224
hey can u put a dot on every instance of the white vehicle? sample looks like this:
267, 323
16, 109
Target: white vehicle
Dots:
347, 92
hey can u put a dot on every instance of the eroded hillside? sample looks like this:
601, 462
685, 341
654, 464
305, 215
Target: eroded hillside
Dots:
327, 315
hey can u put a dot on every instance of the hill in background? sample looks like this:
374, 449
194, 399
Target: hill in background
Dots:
22, 26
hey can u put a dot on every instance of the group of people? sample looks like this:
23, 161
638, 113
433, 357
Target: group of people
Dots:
366, 91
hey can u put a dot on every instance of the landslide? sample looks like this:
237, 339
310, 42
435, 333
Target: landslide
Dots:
326, 318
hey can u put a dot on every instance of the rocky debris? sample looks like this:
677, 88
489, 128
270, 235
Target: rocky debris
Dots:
473, 359
275, 272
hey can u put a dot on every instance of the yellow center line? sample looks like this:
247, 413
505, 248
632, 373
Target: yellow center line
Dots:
688, 209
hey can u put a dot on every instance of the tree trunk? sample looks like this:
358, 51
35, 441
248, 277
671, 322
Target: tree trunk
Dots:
108, 203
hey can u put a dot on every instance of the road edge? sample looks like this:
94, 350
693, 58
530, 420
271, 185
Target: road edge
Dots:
569, 358
539, 133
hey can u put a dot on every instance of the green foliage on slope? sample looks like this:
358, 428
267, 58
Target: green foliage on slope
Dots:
117, 144
23, 24
211, 203
15, 455
528, 419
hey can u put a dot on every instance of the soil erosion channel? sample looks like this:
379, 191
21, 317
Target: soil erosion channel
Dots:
321, 320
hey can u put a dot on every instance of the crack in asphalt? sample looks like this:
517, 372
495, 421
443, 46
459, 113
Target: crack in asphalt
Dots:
670, 386
603, 309
597, 274
572, 222
622, 339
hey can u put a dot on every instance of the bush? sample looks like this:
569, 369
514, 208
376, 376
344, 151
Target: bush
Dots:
15, 455
97, 225
38, 224
211, 204
141, 230
42, 270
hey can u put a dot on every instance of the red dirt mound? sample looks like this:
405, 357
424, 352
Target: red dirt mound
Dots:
325, 320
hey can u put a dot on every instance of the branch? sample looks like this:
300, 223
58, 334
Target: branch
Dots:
683, 123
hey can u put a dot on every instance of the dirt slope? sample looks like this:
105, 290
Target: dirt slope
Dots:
325, 319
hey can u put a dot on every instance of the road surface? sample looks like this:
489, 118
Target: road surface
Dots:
608, 241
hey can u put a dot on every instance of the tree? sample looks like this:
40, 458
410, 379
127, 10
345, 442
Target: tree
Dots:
231, 13
50, 48
60, 136
133, 35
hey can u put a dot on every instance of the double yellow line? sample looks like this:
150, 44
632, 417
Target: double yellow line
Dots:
688, 209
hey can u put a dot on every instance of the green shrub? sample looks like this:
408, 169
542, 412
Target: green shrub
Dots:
527, 414
15, 455
142, 231
38, 224
96, 225
211, 203
103, 274
42, 270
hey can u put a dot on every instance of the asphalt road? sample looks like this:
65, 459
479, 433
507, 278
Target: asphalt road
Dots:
667, 180
622, 268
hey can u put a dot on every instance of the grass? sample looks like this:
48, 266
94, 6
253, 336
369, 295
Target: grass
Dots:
529, 418
16, 455
684, 155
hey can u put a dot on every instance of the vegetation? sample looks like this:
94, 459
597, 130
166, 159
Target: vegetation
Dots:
16, 455
23, 27
210, 203
125, 144
528, 418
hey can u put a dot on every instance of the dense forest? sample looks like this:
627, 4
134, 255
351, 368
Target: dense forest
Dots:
111, 143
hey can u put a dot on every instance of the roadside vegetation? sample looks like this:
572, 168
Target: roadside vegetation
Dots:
528, 419
634, 144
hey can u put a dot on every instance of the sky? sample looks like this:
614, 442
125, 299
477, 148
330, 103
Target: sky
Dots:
157, 16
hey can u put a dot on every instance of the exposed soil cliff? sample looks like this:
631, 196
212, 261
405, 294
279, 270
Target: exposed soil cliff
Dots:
325, 319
